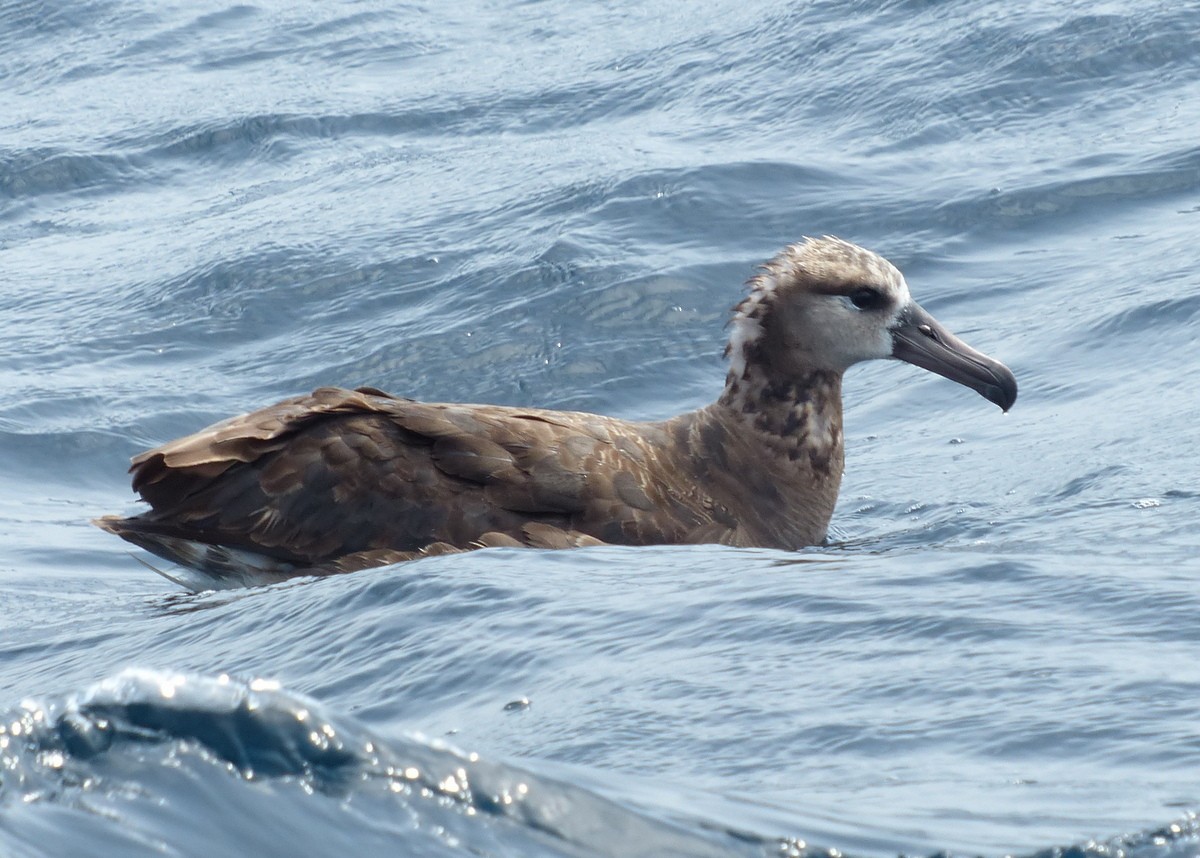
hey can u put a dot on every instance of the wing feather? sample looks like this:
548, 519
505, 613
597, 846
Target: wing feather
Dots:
342, 478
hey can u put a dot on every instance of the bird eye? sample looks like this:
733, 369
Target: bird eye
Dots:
866, 298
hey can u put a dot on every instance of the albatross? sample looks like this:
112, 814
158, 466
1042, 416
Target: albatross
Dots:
340, 480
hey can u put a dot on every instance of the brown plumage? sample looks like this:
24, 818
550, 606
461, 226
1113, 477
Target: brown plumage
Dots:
339, 480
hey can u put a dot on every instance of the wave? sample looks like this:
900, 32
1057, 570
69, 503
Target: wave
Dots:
184, 764
156, 757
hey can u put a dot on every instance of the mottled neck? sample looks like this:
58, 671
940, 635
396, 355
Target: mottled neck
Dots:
798, 417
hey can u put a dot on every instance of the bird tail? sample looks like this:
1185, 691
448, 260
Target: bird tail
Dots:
205, 565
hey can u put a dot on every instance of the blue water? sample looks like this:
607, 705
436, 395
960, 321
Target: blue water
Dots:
207, 207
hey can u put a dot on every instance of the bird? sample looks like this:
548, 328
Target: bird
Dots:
340, 480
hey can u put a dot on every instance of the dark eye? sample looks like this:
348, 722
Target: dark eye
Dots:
866, 298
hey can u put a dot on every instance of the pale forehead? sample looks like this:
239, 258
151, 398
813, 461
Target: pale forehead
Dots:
834, 262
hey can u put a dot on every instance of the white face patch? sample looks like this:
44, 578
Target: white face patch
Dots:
903, 298
747, 329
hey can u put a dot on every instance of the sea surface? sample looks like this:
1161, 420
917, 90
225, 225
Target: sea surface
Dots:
208, 206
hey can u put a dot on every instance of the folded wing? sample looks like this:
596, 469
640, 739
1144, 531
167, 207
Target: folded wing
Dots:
342, 479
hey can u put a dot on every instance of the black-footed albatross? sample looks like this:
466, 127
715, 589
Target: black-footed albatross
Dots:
340, 480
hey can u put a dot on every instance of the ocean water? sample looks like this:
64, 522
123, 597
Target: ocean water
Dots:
205, 207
